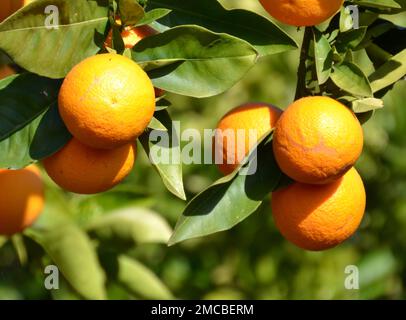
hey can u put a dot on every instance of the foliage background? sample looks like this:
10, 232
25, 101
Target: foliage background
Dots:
252, 260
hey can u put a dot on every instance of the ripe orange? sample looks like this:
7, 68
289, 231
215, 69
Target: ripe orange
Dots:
107, 101
251, 116
316, 140
21, 199
131, 35
302, 12
316, 217
85, 170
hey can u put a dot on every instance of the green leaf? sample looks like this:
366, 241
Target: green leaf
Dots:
51, 135
15, 150
162, 104
323, 56
379, 4
366, 105
130, 226
28, 131
22, 99
71, 250
169, 166
350, 78
139, 281
350, 39
389, 73
231, 199
53, 52
397, 19
155, 124
264, 35
130, 11
193, 61
3, 241
152, 16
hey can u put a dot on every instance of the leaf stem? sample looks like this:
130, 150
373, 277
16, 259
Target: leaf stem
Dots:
301, 73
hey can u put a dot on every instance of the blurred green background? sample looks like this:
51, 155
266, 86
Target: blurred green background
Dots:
252, 261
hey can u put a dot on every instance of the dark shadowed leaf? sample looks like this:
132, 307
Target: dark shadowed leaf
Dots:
264, 35
231, 199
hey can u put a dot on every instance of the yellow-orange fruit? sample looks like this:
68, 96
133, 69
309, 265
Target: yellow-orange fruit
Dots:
85, 170
302, 12
132, 35
107, 101
21, 199
259, 118
319, 217
317, 140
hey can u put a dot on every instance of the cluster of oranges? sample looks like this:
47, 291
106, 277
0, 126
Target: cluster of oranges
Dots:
316, 142
106, 102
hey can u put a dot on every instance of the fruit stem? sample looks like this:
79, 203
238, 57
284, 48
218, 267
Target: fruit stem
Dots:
301, 73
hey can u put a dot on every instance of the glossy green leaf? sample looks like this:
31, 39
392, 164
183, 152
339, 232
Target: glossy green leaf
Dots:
366, 105
152, 16
130, 11
25, 122
231, 199
130, 226
323, 56
164, 152
264, 35
51, 135
22, 99
155, 124
379, 4
194, 61
350, 39
350, 78
397, 19
71, 250
390, 72
26, 36
139, 280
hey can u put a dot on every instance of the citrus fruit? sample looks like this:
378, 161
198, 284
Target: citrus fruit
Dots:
234, 128
106, 101
86, 170
131, 35
302, 12
316, 140
21, 199
318, 217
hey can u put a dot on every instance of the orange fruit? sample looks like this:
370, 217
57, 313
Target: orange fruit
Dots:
316, 217
316, 140
21, 199
106, 101
131, 35
85, 170
236, 125
302, 12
